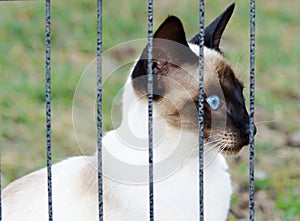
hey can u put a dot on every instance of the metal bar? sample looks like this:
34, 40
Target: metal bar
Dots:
252, 98
201, 109
99, 107
150, 111
48, 108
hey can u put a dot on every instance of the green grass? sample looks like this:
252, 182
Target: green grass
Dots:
22, 133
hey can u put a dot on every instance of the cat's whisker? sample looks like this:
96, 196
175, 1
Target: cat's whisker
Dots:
223, 146
210, 152
213, 149
213, 141
265, 122
215, 135
213, 144
213, 154
237, 64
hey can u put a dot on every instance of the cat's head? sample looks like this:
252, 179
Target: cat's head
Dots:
176, 84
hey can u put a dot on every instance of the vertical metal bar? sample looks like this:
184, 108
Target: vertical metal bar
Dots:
48, 108
99, 107
252, 98
150, 117
201, 109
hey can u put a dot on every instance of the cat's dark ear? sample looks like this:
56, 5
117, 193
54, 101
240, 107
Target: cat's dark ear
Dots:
170, 50
166, 39
213, 32
171, 29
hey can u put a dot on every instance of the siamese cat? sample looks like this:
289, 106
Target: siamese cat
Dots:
125, 160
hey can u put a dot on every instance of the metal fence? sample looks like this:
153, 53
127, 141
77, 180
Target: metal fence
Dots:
150, 115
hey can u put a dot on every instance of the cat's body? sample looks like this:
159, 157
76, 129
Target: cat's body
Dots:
75, 195
125, 158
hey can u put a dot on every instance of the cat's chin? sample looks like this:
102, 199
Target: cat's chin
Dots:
232, 150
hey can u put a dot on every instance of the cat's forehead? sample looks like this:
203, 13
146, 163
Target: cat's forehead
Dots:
214, 62
216, 68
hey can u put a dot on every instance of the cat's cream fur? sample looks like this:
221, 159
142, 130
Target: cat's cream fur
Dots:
175, 194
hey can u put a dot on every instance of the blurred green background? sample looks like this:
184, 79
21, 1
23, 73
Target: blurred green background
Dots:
22, 108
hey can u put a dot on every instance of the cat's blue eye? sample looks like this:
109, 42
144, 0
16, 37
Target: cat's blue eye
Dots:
213, 101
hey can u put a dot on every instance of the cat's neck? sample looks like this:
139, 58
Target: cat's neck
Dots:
165, 136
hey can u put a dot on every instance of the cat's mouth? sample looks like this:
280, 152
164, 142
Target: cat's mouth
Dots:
229, 146
234, 147
230, 143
